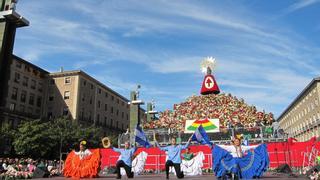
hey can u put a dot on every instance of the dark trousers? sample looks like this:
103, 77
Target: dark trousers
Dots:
126, 168
176, 167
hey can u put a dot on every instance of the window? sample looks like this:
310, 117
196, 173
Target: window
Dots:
105, 121
22, 108
111, 122
67, 80
18, 65
23, 96
122, 103
16, 77
99, 104
127, 117
117, 112
84, 82
98, 118
25, 81
117, 101
52, 82
91, 86
65, 111
83, 97
91, 100
106, 107
122, 114
39, 101
33, 84
117, 124
31, 99
99, 91
90, 118
51, 97
106, 94
35, 72
40, 87
112, 98
14, 94
12, 106
67, 95
111, 110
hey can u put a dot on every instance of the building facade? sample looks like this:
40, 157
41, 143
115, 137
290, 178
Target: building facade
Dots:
25, 92
33, 93
80, 97
301, 119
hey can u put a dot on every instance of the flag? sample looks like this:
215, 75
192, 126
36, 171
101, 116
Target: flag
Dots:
245, 142
201, 136
141, 138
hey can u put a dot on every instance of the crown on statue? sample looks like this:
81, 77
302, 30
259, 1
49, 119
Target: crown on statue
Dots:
208, 64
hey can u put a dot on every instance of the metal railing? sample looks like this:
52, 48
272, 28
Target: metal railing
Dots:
255, 135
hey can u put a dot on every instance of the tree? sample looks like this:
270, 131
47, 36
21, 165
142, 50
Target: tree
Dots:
6, 137
33, 139
48, 139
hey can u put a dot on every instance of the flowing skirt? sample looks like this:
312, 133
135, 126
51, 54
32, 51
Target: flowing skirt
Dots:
192, 167
137, 164
252, 165
82, 168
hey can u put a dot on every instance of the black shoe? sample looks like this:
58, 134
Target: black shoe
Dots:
167, 177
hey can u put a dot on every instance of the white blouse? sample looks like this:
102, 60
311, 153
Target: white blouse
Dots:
235, 151
83, 154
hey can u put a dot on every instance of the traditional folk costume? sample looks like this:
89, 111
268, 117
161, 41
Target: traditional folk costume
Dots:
125, 161
82, 164
174, 159
138, 164
233, 160
192, 165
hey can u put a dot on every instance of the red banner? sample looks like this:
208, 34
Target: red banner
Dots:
292, 153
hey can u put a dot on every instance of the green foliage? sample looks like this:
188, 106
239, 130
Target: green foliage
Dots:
6, 132
33, 139
40, 139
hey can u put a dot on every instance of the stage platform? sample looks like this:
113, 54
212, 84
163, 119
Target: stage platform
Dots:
161, 176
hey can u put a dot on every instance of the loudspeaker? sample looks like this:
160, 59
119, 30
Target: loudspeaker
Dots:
284, 168
39, 173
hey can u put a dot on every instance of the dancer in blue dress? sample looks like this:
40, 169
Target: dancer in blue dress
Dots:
238, 161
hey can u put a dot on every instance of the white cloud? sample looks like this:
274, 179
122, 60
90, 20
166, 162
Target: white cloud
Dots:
252, 56
300, 5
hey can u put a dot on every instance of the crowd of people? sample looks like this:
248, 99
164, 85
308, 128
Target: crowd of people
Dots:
231, 111
26, 168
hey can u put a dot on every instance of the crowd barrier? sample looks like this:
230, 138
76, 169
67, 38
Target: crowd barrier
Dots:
290, 152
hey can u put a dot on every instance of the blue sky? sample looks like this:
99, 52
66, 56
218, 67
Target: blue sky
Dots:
267, 51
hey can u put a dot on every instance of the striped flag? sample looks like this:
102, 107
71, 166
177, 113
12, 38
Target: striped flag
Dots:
201, 136
141, 138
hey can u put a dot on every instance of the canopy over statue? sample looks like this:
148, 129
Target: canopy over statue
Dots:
209, 84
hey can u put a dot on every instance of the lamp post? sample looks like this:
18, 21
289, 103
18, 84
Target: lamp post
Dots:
60, 152
135, 103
